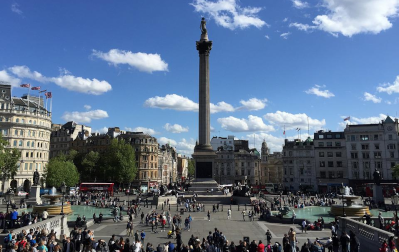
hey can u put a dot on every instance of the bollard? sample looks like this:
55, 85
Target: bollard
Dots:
169, 207
162, 206
177, 207
245, 206
238, 207
230, 206
156, 206
222, 208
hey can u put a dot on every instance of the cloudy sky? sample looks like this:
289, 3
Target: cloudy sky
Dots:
274, 64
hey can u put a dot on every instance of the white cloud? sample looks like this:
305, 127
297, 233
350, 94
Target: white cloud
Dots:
103, 130
84, 117
144, 62
185, 147
4, 76
353, 17
228, 13
175, 128
253, 123
285, 35
15, 8
221, 107
87, 107
181, 103
370, 97
390, 88
267, 37
70, 82
361, 120
299, 4
172, 101
317, 91
148, 131
285, 19
302, 27
253, 104
164, 140
212, 129
293, 121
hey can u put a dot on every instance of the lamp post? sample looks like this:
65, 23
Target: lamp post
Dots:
63, 190
343, 207
395, 202
7, 197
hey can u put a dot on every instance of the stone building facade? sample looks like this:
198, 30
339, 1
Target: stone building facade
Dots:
299, 165
330, 160
26, 125
182, 167
167, 164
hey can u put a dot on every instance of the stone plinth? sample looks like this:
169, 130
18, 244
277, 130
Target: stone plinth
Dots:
377, 194
34, 196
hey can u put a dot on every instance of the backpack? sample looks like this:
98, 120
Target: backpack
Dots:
269, 248
6, 239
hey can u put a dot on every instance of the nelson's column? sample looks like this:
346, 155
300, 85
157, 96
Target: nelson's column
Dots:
203, 155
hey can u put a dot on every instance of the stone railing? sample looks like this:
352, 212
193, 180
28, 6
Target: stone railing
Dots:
370, 237
58, 223
374, 221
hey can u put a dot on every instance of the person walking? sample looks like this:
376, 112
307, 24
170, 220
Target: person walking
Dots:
129, 228
353, 242
381, 220
229, 214
304, 226
344, 239
243, 214
268, 236
209, 215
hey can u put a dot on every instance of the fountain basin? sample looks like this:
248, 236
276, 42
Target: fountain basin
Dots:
353, 210
53, 209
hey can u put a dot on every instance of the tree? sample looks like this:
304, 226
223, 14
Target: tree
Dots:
119, 162
395, 171
89, 163
9, 158
191, 168
60, 169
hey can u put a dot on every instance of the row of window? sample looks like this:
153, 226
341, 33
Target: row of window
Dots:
329, 136
228, 172
330, 154
31, 144
24, 133
331, 174
30, 166
374, 137
31, 154
366, 155
330, 164
330, 144
150, 174
367, 165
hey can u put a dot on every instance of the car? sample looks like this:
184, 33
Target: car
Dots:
22, 193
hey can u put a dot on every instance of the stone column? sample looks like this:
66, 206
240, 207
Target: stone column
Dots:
204, 47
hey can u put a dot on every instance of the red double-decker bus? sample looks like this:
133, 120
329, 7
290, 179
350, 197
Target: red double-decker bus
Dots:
97, 187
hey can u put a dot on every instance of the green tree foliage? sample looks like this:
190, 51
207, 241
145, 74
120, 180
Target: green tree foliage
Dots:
118, 163
89, 164
395, 171
60, 169
9, 158
191, 167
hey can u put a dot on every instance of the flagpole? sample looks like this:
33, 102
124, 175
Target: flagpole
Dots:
51, 104
28, 97
38, 106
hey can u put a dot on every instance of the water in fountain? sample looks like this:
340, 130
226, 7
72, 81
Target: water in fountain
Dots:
53, 191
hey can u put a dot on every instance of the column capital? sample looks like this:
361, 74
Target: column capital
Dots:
204, 47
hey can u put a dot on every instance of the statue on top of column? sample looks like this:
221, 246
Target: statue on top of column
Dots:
36, 177
203, 26
377, 177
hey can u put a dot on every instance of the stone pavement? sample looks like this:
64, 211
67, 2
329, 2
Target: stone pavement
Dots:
234, 229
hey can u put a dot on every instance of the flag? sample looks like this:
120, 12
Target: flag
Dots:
43, 91
48, 95
348, 118
284, 130
35, 88
25, 85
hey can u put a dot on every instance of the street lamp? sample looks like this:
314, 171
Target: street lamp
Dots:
63, 190
8, 197
395, 199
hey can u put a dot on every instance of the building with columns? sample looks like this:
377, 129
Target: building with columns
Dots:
26, 125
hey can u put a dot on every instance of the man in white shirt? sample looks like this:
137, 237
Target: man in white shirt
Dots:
304, 227
137, 247
45, 214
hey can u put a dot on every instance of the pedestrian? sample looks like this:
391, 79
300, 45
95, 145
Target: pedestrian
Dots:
344, 240
292, 239
229, 215
304, 226
268, 236
243, 214
129, 228
354, 242
209, 215
142, 236
381, 220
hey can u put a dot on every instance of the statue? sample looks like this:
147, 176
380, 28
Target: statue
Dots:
203, 26
36, 177
347, 191
377, 177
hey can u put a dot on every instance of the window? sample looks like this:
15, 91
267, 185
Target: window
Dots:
322, 174
353, 138
228, 170
339, 163
321, 154
353, 146
329, 144
365, 155
338, 144
338, 154
392, 154
377, 146
331, 174
16, 132
290, 153
365, 146
20, 143
330, 154
355, 165
338, 136
330, 164
17, 120
322, 164
27, 154
242, 172
354, 155
340, 174
30, 166
15, 143
364, 137
329, 136
391, 147
377, 154
301, 171
31, 154
321, 137
393, 164
366, 165
321, 144
26, 166
249, 172
389, 137
377, 164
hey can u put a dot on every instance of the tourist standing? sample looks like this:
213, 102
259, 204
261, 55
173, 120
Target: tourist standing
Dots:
129, 228
229, 214
268, 236
292, 239
243, 214
209, 215
304, 226
381, 220
344, 242
354, 242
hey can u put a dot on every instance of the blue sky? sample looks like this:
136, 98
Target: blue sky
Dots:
274, 63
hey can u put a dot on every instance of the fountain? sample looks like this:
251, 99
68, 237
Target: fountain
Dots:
349, 208
54, 208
